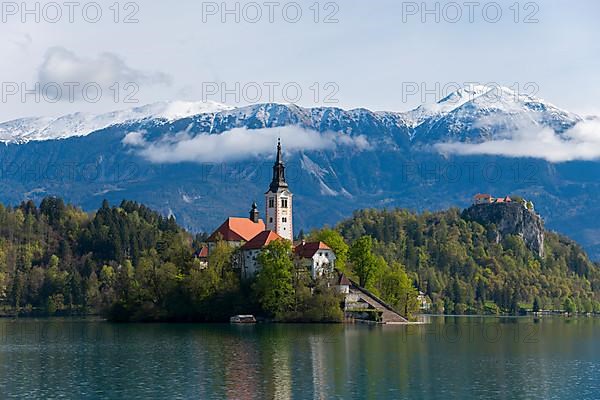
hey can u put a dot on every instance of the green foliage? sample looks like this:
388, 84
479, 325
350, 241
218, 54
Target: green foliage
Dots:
461, 267
397, 289
131, 263
365, 264
214, 290
58, 259
518, 199
569, 306
314, 301
391, 282
324, 305
273, 287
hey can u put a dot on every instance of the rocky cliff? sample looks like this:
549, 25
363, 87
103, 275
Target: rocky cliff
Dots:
510, 219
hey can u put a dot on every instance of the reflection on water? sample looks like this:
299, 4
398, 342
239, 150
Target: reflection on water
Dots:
451, 358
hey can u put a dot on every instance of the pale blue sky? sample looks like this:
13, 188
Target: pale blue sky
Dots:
371, 54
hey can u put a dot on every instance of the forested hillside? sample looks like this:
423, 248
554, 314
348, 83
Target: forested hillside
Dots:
459, 265
56, 258
130, 263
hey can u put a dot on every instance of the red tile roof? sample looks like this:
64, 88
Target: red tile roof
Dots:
483, 196
261, 240
203, 253
238, 230
308, 250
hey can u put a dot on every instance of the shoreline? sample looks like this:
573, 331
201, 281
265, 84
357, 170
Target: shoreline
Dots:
421, 319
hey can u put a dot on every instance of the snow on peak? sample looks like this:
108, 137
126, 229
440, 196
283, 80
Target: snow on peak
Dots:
482, 95
449, 103
81, 124
498, 97
182, 109
466, 94
471, 97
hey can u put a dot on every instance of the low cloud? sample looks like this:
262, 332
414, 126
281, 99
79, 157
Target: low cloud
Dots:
63, 67
582, 142
134, 139
237, 144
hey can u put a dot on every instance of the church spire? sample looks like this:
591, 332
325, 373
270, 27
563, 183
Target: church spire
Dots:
278, 171
279, 159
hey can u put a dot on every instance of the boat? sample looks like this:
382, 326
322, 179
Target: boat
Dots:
242, 319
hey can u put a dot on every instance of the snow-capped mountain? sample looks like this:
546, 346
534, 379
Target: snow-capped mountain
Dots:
81, 124
449, 103
469, 114
482, 113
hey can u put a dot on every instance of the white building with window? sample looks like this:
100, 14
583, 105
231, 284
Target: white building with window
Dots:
316, 257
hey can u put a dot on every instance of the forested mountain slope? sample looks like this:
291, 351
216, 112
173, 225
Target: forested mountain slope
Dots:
462, 267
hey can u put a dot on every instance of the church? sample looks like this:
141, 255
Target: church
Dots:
250, 235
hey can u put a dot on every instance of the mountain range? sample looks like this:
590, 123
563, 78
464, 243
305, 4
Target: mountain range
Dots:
202, 162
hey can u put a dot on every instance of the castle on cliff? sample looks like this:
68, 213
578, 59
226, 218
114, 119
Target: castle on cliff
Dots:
489, 199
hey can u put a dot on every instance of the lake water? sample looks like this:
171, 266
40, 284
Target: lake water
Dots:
451, 358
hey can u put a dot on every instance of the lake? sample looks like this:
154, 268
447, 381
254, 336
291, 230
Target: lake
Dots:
450, 358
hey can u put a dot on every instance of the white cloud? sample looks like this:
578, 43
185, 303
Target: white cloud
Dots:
134, 139
582, 142
237, 144
62, 66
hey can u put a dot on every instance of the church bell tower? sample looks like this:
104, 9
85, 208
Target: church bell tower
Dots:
279, 201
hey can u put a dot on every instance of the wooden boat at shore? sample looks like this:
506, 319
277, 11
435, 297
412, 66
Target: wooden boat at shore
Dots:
242, 319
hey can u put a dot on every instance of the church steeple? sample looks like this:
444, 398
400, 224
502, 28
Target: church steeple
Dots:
279, 201
278, 171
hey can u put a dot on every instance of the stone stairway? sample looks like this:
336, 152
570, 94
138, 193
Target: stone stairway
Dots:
389, 315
